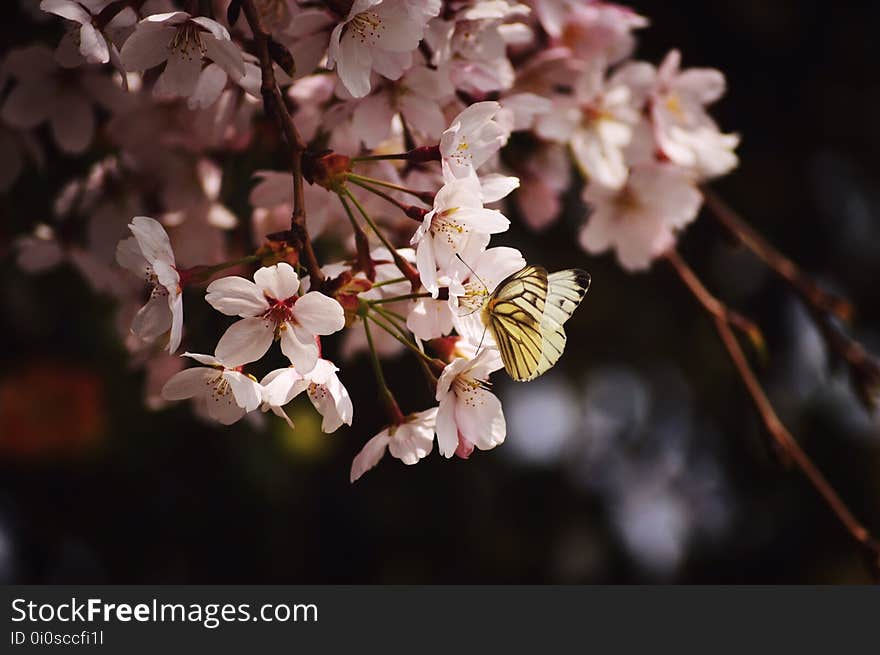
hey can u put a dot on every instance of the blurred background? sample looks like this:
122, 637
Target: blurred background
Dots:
638, 459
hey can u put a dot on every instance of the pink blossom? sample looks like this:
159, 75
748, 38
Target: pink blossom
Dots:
640, 220
378, 35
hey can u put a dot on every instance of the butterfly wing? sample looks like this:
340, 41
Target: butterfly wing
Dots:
514, 314
565, 290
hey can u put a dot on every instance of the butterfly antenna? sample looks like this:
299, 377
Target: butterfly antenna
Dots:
473, 272
479, 279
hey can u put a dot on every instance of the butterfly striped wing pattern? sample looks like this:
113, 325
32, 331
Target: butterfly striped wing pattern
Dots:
514, 314
526, 315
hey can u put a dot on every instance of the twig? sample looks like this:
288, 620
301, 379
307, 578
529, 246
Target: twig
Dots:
822, 305
780, 434
864, 368
362, 243
806, 287
402, 265
274, 105
391, 406
411, 211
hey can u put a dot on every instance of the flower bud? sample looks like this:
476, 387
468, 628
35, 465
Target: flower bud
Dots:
327, 169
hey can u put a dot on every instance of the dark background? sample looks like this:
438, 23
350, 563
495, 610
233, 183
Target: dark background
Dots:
638, 459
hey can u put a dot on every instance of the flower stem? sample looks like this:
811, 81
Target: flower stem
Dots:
201, 274
398, 155
387, 282
362, 243
406, 296
409, 345
413, 212
424, 196
390, 401
404, 266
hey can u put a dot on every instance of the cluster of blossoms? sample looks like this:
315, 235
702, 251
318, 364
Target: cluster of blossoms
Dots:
414, 125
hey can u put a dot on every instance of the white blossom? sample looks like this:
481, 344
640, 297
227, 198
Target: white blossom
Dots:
409, 442
224, 392
148, 254
271, 308
325, 391
471, 139
469, 414
458, 224
184, 43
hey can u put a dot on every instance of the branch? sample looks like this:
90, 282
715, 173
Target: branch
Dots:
780, 434
274, 104
822, 305
806, 287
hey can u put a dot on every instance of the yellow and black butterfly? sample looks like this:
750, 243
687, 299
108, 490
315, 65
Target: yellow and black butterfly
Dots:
526, 314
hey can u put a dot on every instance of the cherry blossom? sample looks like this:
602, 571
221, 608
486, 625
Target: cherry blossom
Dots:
640, 220
184, 42
91, 42
66, 99
409, 442
417, 96
148, 254
473, 44
596, 122
471, 139
378, 35
271, 308
544, 177
469, 414
324, 389
686, 134
459, 225
221, 389
592, 29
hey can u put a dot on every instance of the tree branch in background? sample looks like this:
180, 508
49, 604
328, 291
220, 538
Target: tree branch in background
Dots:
781, 436
824, 307
275, 106
806, 287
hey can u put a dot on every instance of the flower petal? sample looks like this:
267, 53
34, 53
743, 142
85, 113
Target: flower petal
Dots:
279, 281
370, 455
225, 54
153, 319
189, 383
447, 432
180, 76
245, 341
247, 392
235, 296
302, 355
319, 314
147, 46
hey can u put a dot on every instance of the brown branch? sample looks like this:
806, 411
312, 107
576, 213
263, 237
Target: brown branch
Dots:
274, 104
864, 368
822, 305
780, 434
806, 287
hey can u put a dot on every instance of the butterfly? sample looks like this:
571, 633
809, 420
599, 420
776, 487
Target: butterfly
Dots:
526, 314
